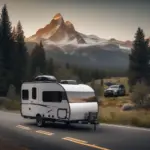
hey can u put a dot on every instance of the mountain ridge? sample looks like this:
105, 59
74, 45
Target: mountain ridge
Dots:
59, 31
56, 31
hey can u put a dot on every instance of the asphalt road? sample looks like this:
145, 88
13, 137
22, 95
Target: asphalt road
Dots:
59, 137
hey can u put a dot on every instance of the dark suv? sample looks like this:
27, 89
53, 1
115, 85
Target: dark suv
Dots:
115, 90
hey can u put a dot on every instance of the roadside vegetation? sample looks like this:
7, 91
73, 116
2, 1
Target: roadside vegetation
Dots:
132, 109
122, 110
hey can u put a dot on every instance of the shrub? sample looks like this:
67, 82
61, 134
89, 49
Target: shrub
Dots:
140, 95
11, 94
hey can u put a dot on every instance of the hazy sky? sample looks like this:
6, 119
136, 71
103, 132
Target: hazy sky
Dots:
105, 18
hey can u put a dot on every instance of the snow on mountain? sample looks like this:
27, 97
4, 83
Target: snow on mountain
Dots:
64, 35
57, 31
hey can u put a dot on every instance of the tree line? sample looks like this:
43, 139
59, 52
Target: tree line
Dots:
13, 53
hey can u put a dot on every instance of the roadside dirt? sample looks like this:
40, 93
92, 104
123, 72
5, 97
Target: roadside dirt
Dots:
6, 144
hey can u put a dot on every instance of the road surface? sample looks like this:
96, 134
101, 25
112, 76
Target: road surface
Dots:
81, 137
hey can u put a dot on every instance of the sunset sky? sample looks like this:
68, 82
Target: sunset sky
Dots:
105, 18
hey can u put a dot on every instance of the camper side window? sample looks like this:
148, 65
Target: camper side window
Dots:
25, 94
52, 96
34, 93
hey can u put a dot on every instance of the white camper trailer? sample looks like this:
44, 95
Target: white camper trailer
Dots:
53, 101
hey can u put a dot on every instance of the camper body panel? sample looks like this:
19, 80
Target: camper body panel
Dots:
53, 109
44, 104
82, 101
79, 111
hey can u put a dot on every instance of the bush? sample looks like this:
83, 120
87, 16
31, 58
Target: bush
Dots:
140, 95
11, 94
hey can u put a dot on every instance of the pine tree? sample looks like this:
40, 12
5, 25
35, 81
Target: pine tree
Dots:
6, 35
139, 60
96, 74
67, 65
20, 62
14, 34
14, 54
42, 58
21, 48
6, 45
50, 66
38, 59
3, 85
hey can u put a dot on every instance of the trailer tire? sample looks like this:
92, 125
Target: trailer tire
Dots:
39, 121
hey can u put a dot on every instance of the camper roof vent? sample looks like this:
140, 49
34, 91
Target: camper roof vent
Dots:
68, 82
45, 78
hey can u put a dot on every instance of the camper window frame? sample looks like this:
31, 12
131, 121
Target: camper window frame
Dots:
52, 100
27, 97
34, 93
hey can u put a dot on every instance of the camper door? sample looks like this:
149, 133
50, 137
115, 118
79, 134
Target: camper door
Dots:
33, 100
25, 101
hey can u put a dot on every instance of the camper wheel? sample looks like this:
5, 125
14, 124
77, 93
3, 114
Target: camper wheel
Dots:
39, 121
